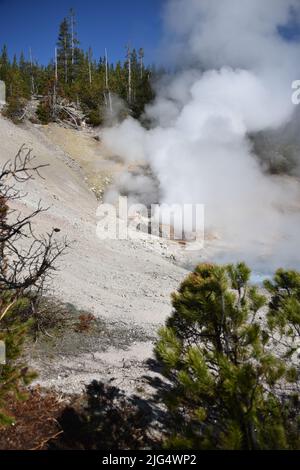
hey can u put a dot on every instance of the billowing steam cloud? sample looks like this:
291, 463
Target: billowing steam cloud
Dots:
235, 64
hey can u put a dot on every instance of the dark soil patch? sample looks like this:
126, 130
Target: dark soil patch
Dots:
80, 333
35, 421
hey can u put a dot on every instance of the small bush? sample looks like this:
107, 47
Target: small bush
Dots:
14, 110
94, 118
85, 322
44, 112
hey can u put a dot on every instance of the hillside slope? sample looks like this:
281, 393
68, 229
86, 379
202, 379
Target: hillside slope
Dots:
121, 282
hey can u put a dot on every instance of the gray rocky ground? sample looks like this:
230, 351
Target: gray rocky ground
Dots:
126, 285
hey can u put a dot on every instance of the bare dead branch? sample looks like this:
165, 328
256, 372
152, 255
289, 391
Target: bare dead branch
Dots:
26, 259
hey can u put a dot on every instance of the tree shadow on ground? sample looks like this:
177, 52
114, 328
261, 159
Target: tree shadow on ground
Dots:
105, 418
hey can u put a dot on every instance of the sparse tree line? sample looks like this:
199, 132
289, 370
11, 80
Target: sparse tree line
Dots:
77, 76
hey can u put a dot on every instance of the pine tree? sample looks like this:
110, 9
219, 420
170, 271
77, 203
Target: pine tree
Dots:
141, 60
22, 62
75, 51
64, 51
4, 56
284, 307
226, 379
144, 94
4, 64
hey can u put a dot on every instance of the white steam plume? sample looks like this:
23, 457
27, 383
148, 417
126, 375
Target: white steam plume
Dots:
238, 70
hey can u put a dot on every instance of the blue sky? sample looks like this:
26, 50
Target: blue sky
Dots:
100, 24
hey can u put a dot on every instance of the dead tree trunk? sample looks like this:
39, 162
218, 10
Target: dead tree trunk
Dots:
56, 66
54, 103
129, 74
72, 19
108, 100
66, 61
90, 56
31, 73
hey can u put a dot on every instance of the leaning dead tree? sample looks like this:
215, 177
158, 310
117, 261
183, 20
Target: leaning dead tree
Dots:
26, 259
68, 113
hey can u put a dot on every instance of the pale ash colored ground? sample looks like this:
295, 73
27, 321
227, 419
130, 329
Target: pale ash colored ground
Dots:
126, 283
